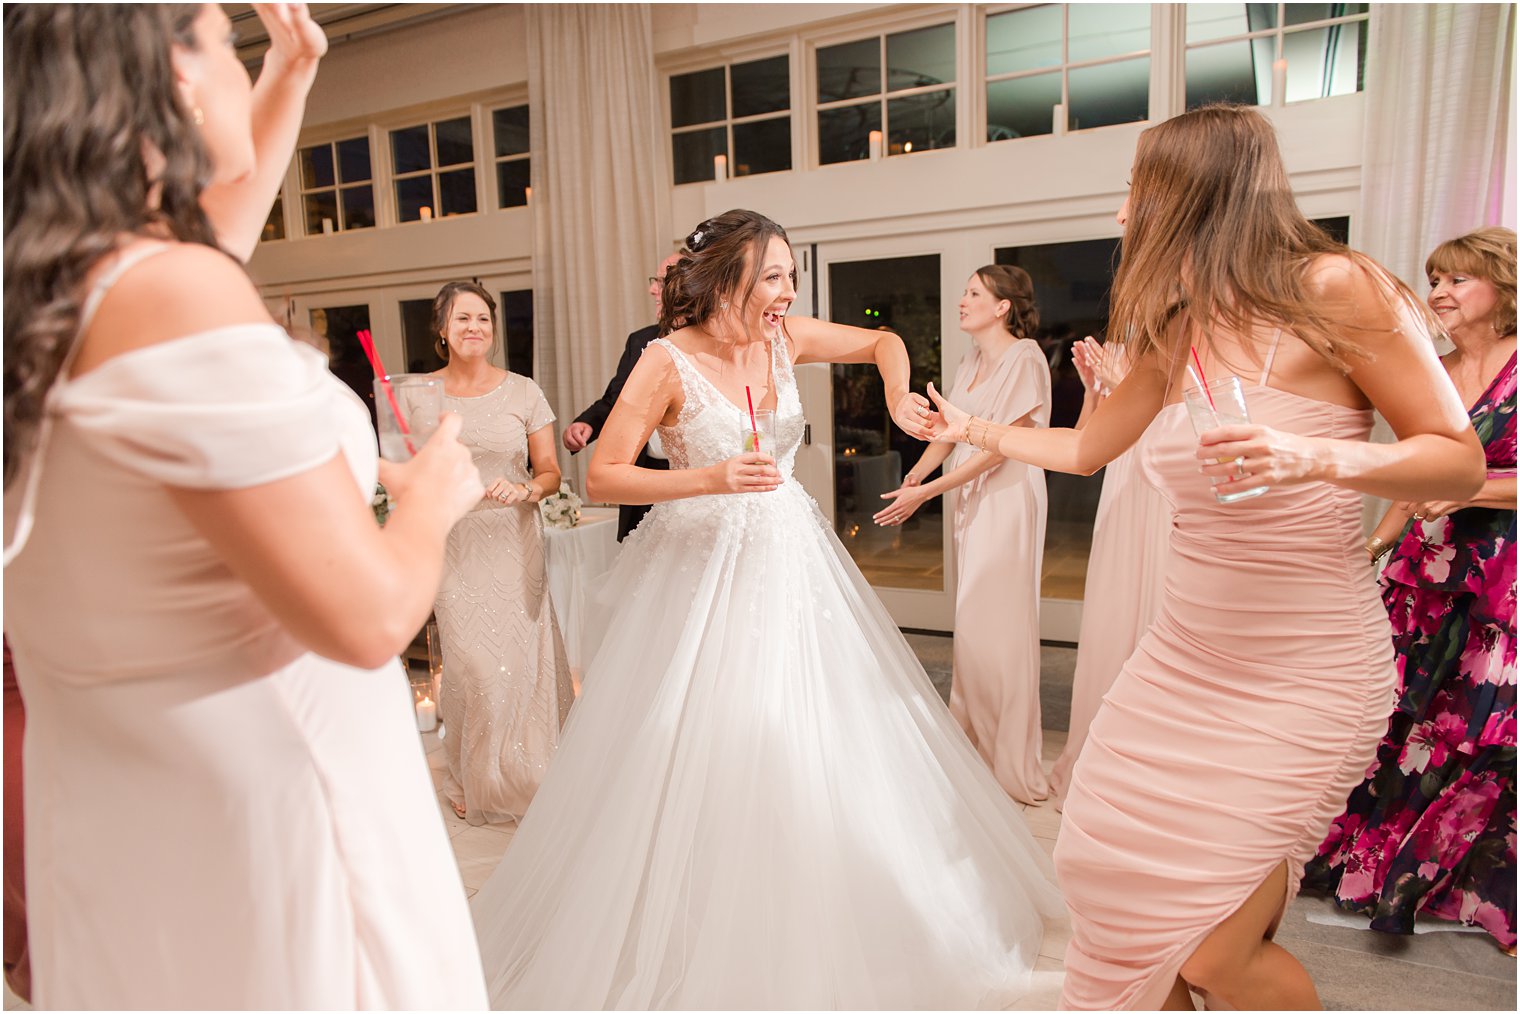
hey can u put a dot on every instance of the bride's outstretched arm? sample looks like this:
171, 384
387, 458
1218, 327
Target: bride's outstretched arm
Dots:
652, 397
822, 341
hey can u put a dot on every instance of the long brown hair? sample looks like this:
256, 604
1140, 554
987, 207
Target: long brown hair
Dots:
1487, 253
712, 267
1213, 228
88, 88
1010, 282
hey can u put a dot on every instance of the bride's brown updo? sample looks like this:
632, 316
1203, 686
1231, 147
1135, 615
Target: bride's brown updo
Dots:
719, 263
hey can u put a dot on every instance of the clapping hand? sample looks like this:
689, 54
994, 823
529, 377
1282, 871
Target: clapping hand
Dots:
1087, 356
949, 424
294, 37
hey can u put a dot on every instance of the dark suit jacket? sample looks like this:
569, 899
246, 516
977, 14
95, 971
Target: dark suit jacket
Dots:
629, 515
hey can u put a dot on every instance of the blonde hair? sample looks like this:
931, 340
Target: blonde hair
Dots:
1489, 254
1213, 229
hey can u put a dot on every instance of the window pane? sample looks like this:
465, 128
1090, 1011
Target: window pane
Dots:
1238, 71
339, 327
510, 128
455, 144
693, 153
1325, 61
358, 207
1218, 21
1071, 281
901, 294
274, 226
764, 86
1099, 30
412, 196
921, 122
321, 212
512, 182
316, 167
353, 160
418, 337
409, 150
1024, 40
924, 57
1339, 227
763, 147
849, 71
456, 192
517, 327
1302, 14
1021, 106
1108, 93
844, 135
697, 98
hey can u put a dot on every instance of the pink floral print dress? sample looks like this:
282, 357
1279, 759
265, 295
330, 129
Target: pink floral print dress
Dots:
1432, 829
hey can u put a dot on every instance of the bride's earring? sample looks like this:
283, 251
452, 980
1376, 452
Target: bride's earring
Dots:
723, 305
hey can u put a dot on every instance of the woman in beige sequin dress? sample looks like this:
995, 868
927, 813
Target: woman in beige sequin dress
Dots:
506, 683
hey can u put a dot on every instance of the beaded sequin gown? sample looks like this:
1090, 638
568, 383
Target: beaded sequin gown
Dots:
506, 682
760, 800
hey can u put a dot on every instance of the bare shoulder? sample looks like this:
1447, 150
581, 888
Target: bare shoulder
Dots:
187, 289
1338, 277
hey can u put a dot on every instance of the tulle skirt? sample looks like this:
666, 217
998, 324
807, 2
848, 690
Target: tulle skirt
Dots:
760, 800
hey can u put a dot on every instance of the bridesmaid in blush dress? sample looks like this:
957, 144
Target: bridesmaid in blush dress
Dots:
999, 512
1232, 735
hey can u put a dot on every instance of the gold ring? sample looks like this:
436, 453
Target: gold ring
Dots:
1418, 516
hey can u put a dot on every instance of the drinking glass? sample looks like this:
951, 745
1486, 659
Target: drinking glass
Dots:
765, 428
419, 396
1223, 404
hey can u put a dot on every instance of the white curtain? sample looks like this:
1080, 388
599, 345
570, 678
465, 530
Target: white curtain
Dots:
1438, 149
598, 188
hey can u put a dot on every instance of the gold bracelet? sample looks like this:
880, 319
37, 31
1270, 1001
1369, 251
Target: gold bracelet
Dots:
1377, 548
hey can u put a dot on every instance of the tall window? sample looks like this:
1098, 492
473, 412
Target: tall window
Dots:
434, 167
337, 188
902, 85
274, 226
1089, 61
741, 111
509, 127
1242, 52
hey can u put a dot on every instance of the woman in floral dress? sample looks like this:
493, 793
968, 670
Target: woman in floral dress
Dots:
1432, 829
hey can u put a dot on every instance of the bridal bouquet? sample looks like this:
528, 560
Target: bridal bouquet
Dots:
562, 509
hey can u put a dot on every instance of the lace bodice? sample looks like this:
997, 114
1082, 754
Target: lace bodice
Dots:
711, 428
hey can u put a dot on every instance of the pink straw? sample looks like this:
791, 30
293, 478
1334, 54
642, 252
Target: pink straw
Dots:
368, 343
753, 428
1201, 382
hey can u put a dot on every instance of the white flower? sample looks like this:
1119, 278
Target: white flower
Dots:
561, 509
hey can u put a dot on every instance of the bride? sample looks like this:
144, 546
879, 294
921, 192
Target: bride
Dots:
759, 801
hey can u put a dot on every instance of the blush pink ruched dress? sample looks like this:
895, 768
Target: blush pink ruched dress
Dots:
1234, 733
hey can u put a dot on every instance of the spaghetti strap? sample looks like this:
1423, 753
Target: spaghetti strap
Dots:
25, 515
1266, 371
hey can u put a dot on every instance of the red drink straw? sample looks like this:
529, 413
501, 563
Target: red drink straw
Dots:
752, 427
368, 343
1201, 381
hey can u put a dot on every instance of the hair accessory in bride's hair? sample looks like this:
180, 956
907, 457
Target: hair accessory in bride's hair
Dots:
699, 237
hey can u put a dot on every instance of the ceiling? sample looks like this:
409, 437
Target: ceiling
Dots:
342, 22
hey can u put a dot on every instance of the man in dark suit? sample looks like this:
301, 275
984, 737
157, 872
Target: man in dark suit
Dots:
588, 425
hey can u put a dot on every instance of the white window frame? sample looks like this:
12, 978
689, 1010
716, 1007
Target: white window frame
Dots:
729, 121
302, 191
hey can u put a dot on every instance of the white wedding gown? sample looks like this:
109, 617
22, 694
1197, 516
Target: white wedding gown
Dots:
760, 800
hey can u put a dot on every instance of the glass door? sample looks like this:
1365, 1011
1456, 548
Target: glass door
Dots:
856, 453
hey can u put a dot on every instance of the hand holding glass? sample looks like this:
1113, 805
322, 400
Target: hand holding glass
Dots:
1223, 404
419, 396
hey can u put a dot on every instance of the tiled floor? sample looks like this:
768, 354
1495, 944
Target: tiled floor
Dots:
1354, 968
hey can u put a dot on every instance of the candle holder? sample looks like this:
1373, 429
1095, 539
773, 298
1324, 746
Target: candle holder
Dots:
435, 657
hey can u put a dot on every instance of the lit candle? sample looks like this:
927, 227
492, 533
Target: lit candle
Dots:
427, 715
425, 213
875, 143
1279, 82
528, 194
1058, 118
327, 225
720, 167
